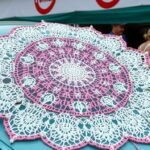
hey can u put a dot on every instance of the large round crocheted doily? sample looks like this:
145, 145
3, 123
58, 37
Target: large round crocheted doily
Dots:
72, 87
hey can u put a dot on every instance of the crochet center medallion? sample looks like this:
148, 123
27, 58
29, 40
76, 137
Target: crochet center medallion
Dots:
66, 75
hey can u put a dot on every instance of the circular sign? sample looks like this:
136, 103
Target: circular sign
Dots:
107, 5
42, 10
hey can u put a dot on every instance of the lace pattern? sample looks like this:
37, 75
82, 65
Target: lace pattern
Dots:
73, 86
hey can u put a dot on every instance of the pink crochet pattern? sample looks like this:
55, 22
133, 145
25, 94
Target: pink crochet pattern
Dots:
68, 77
72, 87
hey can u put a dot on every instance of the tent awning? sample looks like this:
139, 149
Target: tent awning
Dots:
138, 14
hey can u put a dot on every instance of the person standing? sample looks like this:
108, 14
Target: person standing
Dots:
146, 45
118, 29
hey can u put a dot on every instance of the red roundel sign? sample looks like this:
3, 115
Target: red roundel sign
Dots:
46, 10
107, 5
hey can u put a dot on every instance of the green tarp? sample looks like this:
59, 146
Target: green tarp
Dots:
140, 14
